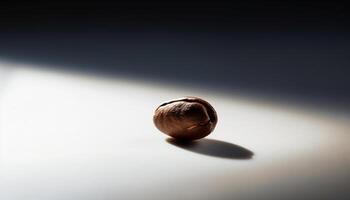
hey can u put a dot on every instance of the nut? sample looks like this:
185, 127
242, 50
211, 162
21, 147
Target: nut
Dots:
187, 118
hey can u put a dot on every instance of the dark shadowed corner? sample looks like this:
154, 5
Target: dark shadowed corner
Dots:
285, 52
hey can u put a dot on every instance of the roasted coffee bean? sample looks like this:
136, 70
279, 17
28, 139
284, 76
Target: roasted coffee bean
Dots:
187, 118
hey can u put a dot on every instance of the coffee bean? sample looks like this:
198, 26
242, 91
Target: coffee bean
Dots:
187, 118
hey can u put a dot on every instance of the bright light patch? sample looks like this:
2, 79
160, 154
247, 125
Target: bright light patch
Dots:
69, 136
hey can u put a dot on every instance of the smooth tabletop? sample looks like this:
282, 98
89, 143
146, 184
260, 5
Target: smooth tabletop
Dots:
66, 136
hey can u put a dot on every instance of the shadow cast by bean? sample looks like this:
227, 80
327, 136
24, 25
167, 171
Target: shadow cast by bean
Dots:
214, 148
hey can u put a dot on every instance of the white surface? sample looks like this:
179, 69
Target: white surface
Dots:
66, 136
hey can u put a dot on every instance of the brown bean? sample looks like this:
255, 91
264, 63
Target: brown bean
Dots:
187, 118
